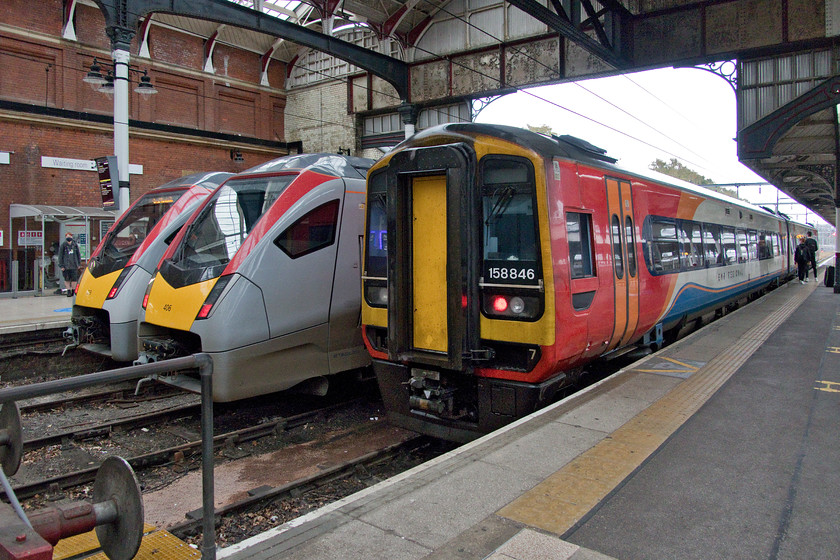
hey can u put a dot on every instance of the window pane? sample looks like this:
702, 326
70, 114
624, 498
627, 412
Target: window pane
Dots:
618, 261
664, 246
313, 231
730, 248
712, 245
631, 246
578, 228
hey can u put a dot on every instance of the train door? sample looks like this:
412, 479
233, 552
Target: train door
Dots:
432, 294
624, 260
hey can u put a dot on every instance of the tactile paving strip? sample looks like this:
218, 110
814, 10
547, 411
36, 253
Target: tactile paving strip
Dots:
564, 498
156, 545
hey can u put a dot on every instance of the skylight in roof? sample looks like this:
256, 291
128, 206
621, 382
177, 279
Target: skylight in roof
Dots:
290, 10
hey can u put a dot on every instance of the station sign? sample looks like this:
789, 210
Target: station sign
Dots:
30, 238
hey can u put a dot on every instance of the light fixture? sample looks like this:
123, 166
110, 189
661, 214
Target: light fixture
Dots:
94, 76
145, 87
108, 85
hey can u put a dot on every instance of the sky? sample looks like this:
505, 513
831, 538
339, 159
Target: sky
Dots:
684, 113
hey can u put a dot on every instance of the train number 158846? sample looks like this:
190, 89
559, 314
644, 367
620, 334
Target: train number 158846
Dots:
504, 273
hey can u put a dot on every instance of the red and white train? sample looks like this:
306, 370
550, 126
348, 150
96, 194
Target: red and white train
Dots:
498, 262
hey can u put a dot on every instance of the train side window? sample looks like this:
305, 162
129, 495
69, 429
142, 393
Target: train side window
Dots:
691, 255
314, 230
753, 237
630, 240
743, 251
730, 248
663, 247
765, 250
618, 261
579, 231
712, 247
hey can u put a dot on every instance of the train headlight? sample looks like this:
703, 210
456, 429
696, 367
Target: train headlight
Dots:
213, 296
377, 296
504, 306
148, 291
115, 289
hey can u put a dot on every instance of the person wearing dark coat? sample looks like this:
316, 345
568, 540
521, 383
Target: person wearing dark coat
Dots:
802, 258
812, 246
69, 260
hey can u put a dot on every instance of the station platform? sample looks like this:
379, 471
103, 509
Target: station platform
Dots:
34, 313
723, 445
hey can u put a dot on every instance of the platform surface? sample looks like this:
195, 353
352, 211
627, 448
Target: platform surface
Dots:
723, 445
34, 313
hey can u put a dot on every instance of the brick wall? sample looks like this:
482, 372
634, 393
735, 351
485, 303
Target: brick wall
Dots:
39, 68
318, 117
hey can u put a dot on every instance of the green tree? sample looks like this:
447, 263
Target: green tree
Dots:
676, 169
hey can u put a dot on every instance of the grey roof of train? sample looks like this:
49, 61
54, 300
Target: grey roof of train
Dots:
330, 164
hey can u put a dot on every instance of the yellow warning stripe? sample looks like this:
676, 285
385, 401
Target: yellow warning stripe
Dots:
562, 499
156, 544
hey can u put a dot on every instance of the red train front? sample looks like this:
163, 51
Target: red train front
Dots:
498, 262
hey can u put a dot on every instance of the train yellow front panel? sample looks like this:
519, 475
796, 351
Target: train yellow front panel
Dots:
176, 308
429, 263
93, 291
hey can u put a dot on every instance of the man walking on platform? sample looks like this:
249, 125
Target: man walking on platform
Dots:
812, 246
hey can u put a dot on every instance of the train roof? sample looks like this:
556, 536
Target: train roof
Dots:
571, 147
328, 164
214, 177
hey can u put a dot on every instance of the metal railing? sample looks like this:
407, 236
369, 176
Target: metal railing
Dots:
204, 363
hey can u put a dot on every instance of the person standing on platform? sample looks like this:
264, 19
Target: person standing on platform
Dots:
69, 260
802, 258
812, 246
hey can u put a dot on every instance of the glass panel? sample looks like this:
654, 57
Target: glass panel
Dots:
376, 264
691, 255
618, 261
130, 231
664, 247
631, 246
578, 229
312, 232
730, 248
741, 238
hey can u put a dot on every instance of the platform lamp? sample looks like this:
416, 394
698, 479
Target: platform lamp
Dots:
115, 83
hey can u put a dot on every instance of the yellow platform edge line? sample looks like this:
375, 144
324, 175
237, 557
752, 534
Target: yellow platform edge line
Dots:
564, 498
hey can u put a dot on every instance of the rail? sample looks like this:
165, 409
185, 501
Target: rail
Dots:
204, 363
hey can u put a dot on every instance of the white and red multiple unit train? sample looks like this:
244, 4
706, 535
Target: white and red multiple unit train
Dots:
264, 277
498, 262
108, 296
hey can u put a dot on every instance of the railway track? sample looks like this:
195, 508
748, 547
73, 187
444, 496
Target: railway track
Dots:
277, 505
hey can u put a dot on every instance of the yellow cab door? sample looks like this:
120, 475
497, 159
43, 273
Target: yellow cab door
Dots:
622, 239
428, 264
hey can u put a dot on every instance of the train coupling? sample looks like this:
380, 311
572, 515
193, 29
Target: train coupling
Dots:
428, 394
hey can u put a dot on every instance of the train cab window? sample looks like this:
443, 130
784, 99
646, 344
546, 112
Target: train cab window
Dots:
376, 245
313, 231
579, 231
730, 247
743, 249
510, 247
691, 245
618, 260
662, 247
712, 247
630, 241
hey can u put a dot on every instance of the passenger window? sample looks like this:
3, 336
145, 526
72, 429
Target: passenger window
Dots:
711, 244
765, 251
630, 240
313, 231
730, 248
618, 262
753, 246
691, 255
664, 247
579, 231
741, 238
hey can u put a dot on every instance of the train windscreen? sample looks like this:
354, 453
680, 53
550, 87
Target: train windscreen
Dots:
125, 238
225, 221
